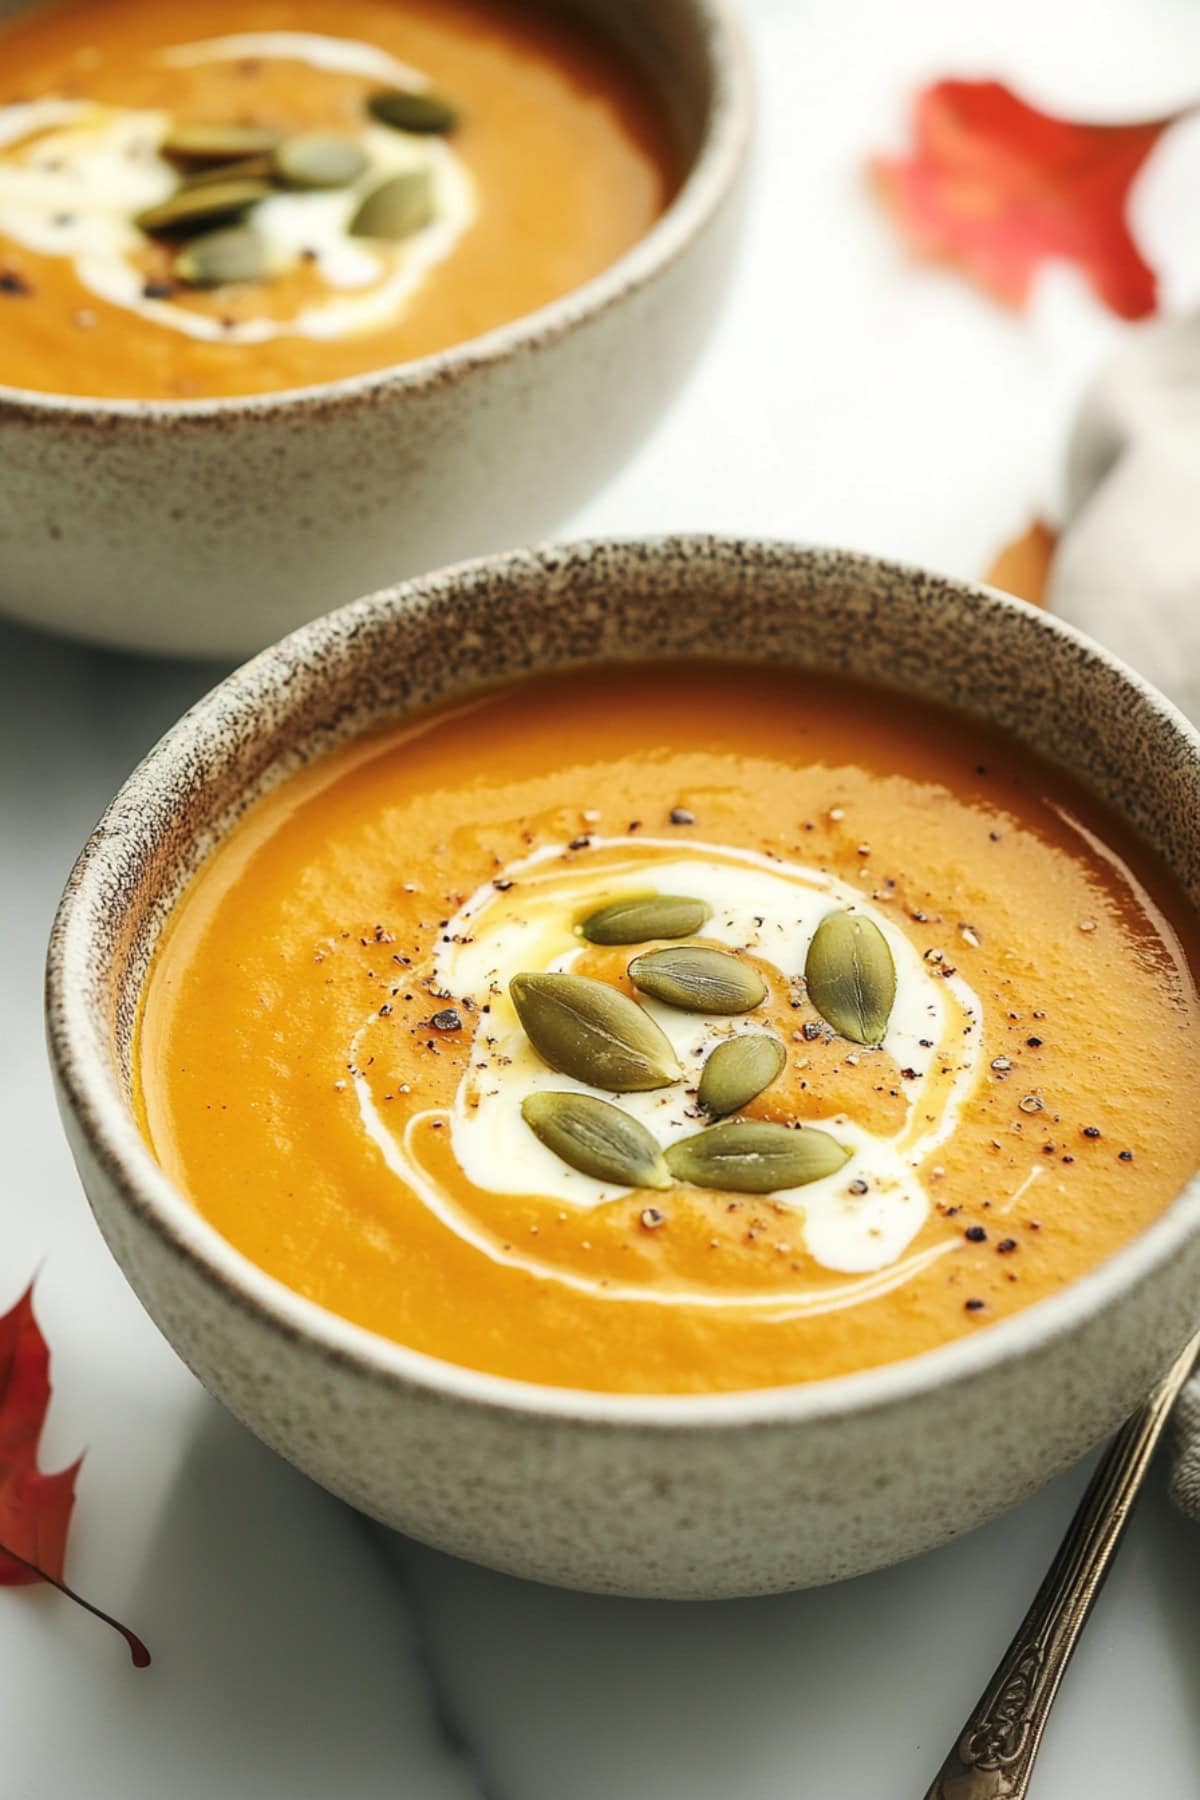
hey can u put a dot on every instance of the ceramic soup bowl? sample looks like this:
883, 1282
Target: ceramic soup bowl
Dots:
209, 528
629, 1495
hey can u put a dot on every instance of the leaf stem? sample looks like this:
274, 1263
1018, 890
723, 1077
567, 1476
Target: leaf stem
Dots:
137, 1650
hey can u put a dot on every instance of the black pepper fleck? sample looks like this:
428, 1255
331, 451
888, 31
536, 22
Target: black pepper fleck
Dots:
975, 1234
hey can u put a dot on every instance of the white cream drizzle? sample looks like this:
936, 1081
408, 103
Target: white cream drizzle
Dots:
92, 168
766, 906
341, 56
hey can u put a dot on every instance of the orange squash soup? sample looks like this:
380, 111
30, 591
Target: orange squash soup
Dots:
216, 198
676, 1029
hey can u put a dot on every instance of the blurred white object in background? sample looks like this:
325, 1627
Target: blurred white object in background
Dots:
1127, 568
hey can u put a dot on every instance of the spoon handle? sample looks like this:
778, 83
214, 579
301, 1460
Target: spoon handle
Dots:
994, 1755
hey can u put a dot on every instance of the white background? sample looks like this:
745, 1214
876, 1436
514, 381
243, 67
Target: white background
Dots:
846, 397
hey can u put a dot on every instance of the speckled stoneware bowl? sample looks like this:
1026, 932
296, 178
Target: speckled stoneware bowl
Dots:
210, 528
687, 1496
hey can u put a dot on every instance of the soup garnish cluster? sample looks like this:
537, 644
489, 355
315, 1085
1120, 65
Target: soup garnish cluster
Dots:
587, 1029
226, 201
585, 1089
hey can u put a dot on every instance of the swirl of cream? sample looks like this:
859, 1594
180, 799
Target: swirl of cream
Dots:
860, 1222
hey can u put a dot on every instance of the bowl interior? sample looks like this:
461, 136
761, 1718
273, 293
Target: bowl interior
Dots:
438, 639
691, 54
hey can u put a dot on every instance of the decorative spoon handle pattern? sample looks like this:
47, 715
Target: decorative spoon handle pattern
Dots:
994, 1755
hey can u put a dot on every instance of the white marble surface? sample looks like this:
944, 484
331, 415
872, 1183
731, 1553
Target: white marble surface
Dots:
299, 1654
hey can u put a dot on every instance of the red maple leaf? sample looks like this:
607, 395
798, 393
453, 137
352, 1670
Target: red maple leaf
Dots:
998, 188
35, 1509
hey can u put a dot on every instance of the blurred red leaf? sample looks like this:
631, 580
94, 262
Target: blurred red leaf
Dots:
35, 1509
999, 188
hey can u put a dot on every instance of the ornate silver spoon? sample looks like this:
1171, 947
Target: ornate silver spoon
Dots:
994, 1755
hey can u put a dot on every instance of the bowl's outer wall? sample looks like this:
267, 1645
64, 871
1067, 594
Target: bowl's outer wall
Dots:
624, 1504
214, 531
658, 1512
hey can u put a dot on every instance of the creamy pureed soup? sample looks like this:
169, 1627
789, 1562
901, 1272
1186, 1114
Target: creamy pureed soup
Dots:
211, 199
676, 1029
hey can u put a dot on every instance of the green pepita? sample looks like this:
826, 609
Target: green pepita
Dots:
697, 979
596, 1138
398, 207
196, 144
739, 1069
236, 254
194, 209
593, 1032
640, 917
318, 159
851, 976
746, 1156
405, 110
247, 168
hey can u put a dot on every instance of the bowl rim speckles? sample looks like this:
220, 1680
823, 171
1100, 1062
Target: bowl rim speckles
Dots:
712, 173
252, 707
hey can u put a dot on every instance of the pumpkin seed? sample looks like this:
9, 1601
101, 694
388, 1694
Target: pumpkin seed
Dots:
194, 209
405, 110
639, 917
247, 168
236, 254
851, 976
697, 979
748, 1156
593, 1032
217, 143
318, 159
737, 1070
397, 208
596, 1138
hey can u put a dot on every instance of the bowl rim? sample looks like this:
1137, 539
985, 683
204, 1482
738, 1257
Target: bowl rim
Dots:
88, 1094
713, 171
